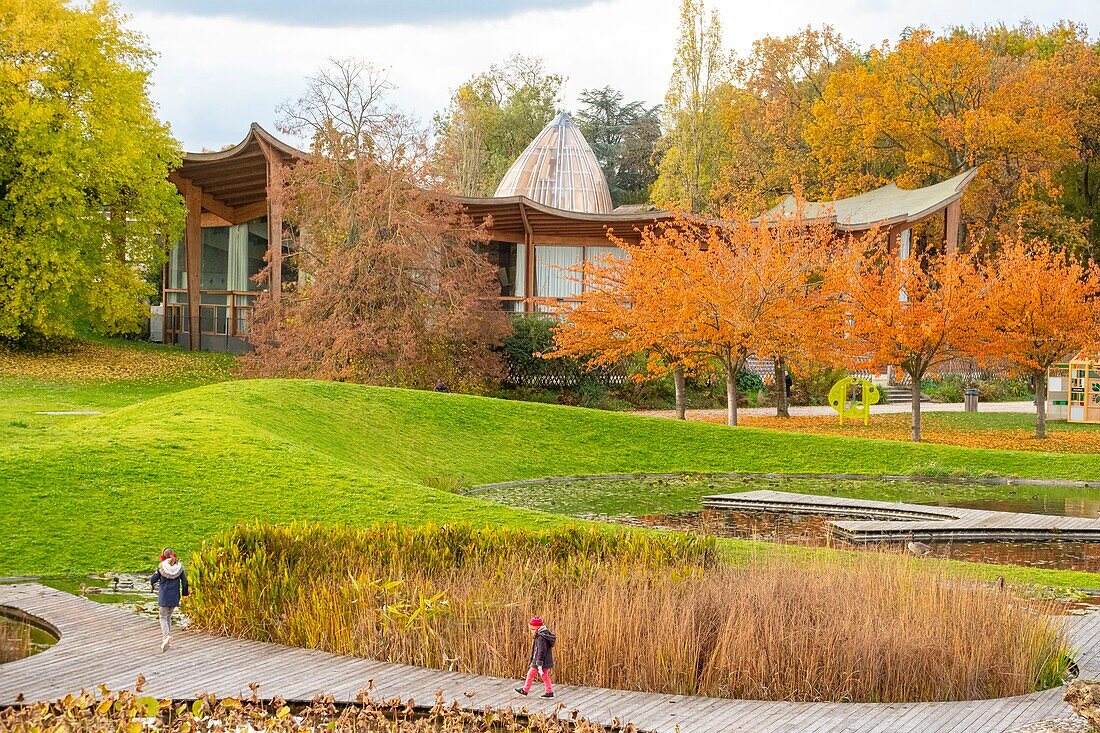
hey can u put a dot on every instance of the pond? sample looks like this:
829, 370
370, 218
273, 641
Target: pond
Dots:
813, 530
19, 640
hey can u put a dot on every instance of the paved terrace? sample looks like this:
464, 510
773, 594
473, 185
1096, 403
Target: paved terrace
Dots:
101, 644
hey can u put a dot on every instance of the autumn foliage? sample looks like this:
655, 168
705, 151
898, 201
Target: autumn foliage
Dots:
915, 313
1042, 310
394, 292
695, 293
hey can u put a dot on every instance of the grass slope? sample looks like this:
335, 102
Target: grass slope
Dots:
106, 492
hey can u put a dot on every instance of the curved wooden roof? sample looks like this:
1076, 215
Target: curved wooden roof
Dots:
234, 181
515, 216
560, 170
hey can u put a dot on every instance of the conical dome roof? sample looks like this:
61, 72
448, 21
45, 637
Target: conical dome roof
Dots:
559, 169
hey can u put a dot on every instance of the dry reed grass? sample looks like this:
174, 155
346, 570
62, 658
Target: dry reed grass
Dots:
631, 612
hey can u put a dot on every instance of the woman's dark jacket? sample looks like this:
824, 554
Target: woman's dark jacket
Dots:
542, 650
168, 594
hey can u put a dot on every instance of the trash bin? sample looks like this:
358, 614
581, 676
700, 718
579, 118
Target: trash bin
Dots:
970, 399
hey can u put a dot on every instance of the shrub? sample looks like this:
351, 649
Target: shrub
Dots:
949, 388
749, 383
810, 385
455, 597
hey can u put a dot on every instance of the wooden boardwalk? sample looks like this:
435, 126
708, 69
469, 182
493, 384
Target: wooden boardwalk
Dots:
101, 644
878, 521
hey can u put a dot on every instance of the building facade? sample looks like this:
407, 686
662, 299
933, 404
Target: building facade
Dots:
551, 212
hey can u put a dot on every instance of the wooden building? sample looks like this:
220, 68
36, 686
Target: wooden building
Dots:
232, 230
552, 211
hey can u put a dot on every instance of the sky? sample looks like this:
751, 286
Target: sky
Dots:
223, 64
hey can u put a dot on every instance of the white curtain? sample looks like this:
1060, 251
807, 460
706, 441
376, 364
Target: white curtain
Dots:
237, 278
552, 276
604, 253
521, 270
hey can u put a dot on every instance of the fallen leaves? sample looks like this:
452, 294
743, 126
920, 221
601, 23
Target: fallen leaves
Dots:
897, 427
83, 361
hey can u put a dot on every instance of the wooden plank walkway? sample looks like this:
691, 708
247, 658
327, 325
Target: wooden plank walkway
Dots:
102, 644
877, 521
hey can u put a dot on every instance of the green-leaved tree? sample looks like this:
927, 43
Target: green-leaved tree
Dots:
84, 198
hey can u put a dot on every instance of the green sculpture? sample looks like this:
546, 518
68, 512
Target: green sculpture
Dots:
852, 397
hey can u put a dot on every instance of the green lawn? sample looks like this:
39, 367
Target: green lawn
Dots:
106, 492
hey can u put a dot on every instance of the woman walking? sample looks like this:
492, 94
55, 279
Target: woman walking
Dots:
173, 583
542, 657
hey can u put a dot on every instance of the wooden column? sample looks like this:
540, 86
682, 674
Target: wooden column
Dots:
192, 239
529, 275
951, 216
274, 229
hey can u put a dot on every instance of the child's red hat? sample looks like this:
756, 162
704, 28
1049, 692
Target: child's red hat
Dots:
535, 622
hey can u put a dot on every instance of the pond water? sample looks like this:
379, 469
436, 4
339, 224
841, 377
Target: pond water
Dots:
19, 640
813, 530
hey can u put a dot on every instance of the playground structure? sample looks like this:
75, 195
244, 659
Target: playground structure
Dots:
852, 397
1073, 390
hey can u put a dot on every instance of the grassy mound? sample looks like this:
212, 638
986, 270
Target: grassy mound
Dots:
658, 613
108, 491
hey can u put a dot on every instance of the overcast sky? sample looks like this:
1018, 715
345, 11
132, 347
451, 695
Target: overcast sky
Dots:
223, 63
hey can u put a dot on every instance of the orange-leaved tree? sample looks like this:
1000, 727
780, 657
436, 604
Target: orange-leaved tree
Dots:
915, 313
750, 289
624, 311
798, 320
1042, 309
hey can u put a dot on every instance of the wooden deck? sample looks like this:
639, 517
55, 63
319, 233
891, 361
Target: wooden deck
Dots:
101, 644
877, 521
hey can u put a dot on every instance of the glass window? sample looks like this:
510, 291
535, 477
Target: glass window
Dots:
257, 251
511, 261
177, 266
553, 278
215, 258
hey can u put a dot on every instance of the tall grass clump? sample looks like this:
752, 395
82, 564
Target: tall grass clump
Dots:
632, 610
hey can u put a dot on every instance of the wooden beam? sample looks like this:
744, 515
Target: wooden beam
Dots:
951, 219
208, 202
192, 238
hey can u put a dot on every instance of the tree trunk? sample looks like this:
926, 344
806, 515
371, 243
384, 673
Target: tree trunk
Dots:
916, 409
1041, 404
681, 392
731, 396
782, 405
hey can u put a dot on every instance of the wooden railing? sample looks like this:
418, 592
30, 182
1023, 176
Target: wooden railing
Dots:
231, 318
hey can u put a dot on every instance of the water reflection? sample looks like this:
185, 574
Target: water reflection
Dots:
813, 530
1087, 508
19, 640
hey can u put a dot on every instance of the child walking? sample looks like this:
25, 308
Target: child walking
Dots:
173, 583
542, 657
